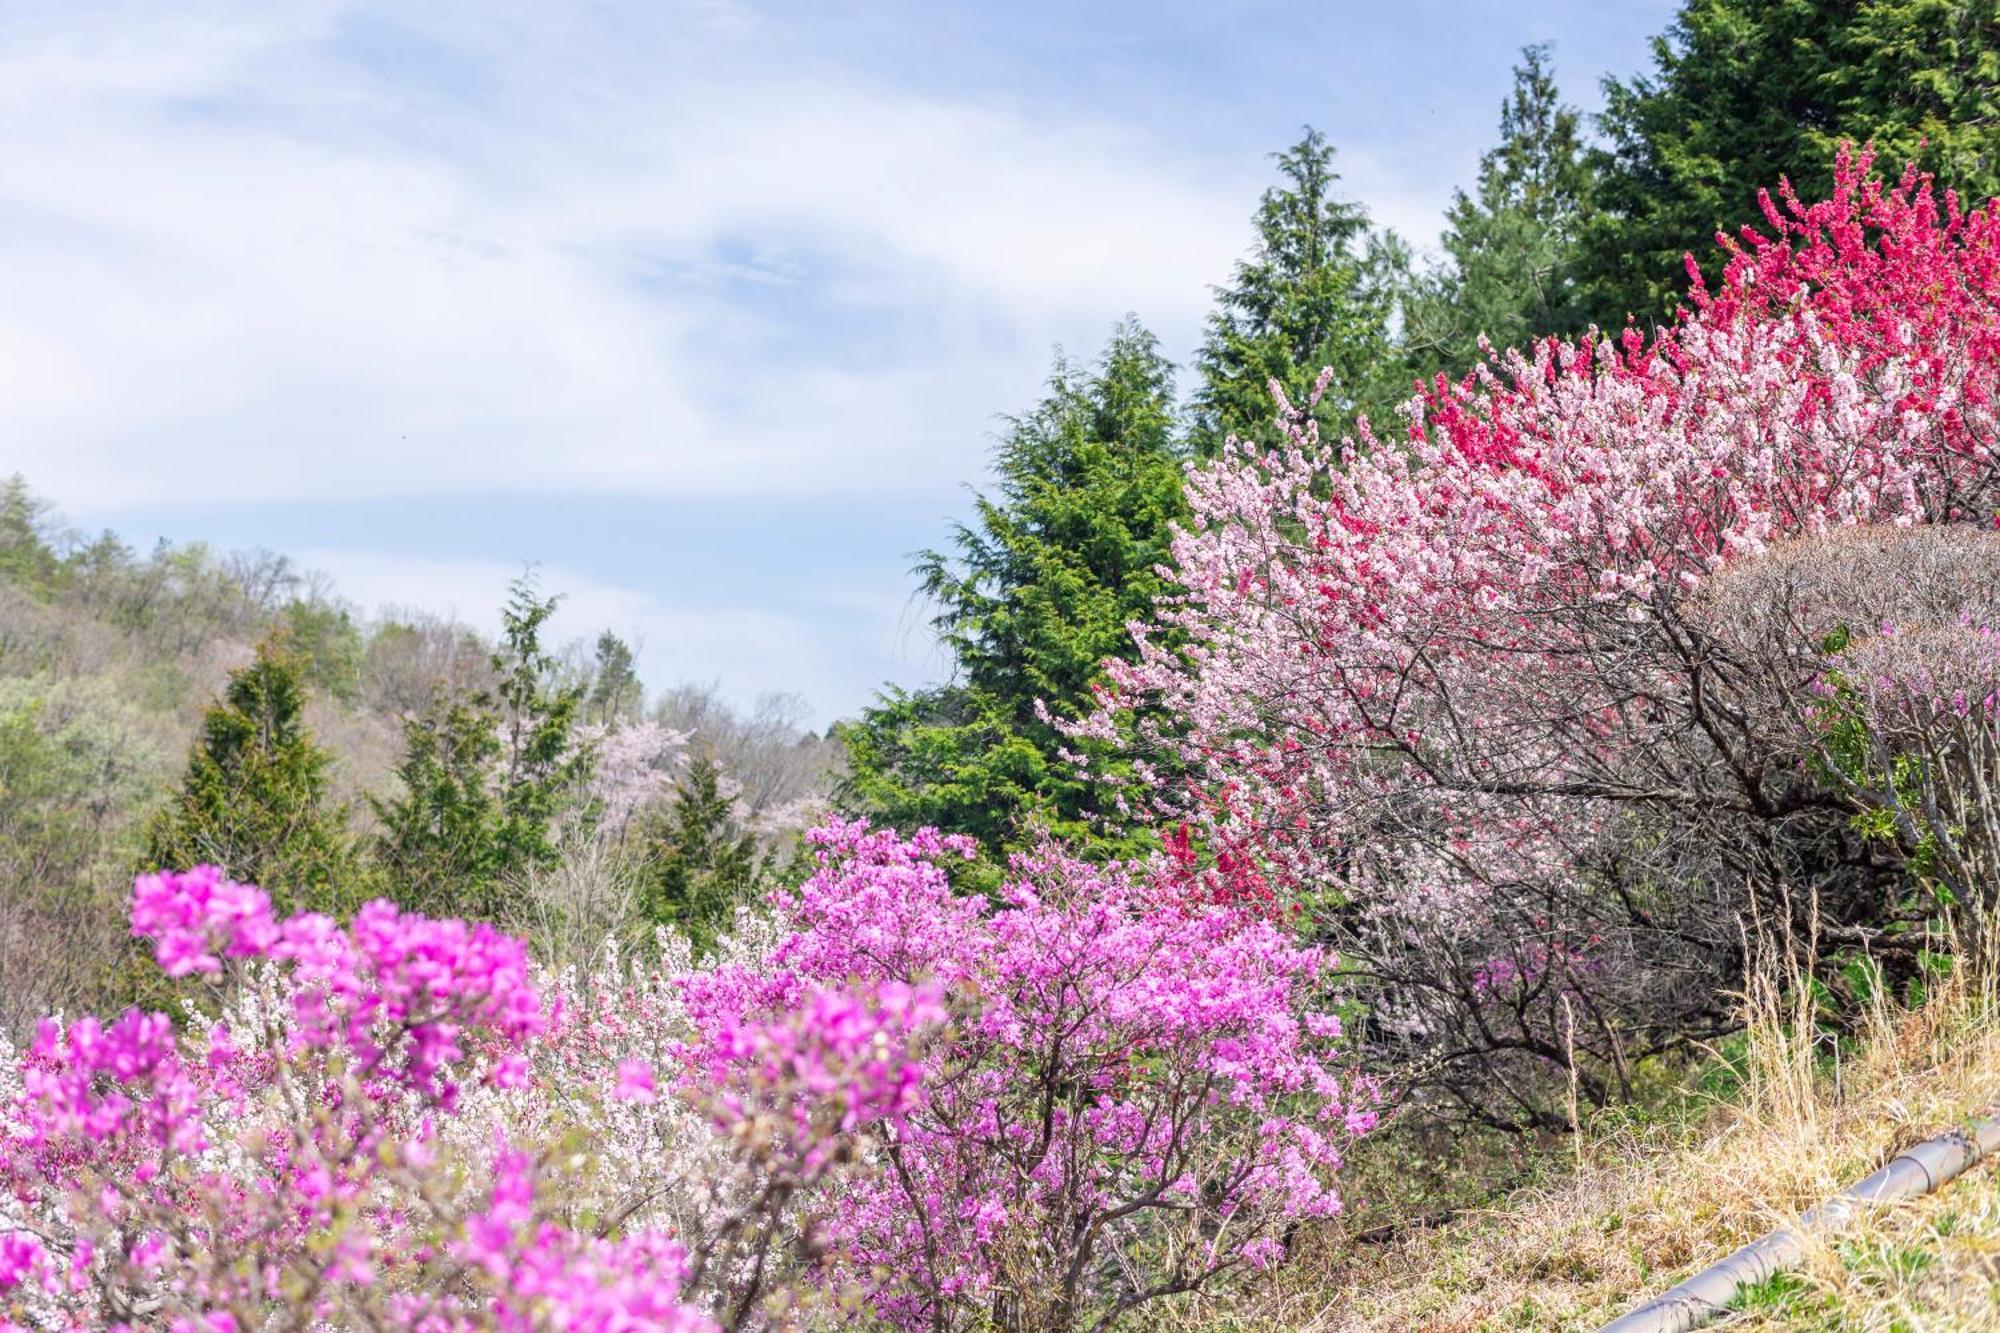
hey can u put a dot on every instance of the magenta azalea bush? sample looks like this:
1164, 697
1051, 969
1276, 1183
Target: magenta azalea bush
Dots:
284, 1161
1132, 1095
884, 1098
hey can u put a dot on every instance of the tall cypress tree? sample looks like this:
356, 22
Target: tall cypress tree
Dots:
1319, 289
1923, 77
1511, 245
255, 799
487, 776
702, 861
616, 693
438, 847
1744, 92
26, 557
1030, 598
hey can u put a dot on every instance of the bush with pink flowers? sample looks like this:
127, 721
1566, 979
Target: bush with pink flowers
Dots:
1135, 1094
886, 1097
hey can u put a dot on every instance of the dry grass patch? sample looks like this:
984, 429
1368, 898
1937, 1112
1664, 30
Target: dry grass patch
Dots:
1650, 1203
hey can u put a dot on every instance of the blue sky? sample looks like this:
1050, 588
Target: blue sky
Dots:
708, 308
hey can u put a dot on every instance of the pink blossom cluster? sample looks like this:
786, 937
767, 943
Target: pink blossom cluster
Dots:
827, 1062
891, 1089
543, 1275
1419, 669
1124, 1077
285, 1158
427, 982
636, 763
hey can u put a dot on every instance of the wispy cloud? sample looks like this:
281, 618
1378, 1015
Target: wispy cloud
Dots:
250, 259
712, 258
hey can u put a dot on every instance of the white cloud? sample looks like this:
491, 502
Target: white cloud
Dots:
236, 263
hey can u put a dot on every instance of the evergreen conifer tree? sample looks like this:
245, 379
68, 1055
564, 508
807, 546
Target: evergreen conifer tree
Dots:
487, 777
1511, 245
703, 861
615, 691
1029, 600
255, 798
438, 849
1745, 91
1319, 289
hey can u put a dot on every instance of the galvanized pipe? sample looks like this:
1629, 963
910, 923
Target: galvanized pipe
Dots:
1707, 1294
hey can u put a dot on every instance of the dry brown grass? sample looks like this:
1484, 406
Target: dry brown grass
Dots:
1653, 1202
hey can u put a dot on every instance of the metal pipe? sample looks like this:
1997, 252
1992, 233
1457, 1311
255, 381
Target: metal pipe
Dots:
1707, 1294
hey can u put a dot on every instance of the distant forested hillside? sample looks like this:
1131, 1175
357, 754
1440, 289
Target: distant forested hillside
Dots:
185, 704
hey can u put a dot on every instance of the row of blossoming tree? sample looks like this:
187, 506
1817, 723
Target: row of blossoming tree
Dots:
1512, 714
1633, 648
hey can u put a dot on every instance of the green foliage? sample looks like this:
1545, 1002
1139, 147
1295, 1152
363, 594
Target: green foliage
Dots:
954, 758
615, 692
71, 768
76, 762
1511, 246
700, 860
1849, 754
545, 764
1922, 79
1319, 289
328, 645
1031, 598
255, 798
487, 777
26, 557
1746, 91
438, 848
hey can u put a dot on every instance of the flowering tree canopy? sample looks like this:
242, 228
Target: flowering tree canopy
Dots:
889, 1093
1461, 686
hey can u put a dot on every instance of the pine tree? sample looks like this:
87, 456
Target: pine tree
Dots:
1030, 599
703, 862
545, 764
328, 644
1744, 92
27, 560
438, 849
1511, 247
1923, 77
487, 777
255, 799
1319, 289
615, 691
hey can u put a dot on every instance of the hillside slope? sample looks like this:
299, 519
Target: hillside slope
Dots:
1773, 1126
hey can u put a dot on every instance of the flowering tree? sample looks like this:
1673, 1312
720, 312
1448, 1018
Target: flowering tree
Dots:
1466, 694
1134, 1096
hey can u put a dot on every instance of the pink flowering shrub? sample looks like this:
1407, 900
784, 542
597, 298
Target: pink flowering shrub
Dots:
1132, 1097
401, 1123
284, 1162
1461, 692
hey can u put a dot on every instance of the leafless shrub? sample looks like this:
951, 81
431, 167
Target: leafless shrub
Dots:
1808, 738
586, 899
768, 751
413, 656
